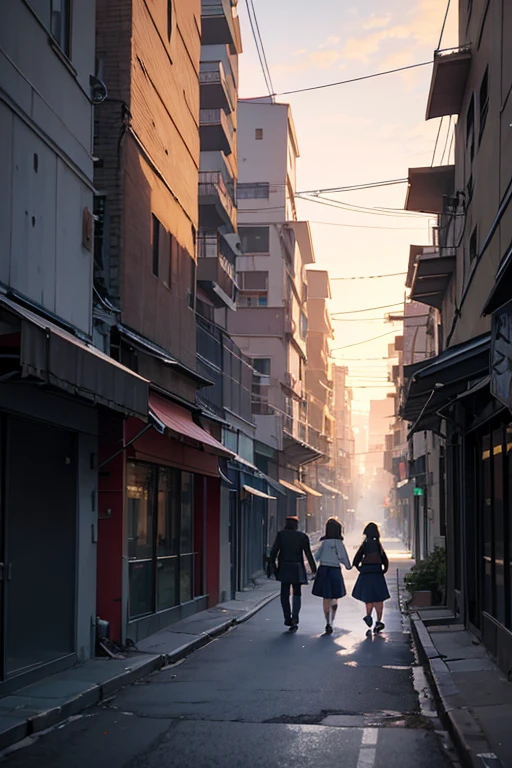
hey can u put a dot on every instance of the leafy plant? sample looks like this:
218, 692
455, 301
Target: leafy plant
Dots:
428, 574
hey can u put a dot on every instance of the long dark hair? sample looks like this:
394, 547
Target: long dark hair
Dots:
333, 529
371, 531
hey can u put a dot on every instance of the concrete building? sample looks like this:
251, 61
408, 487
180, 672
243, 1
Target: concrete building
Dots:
55, 386
344, 447
158, 549
270, 323
463, 393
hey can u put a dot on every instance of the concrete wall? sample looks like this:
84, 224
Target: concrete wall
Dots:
46, 153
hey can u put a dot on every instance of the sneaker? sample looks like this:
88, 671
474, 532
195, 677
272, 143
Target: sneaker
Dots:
379, 626
368, 620
288, 622
294, 627
328, 629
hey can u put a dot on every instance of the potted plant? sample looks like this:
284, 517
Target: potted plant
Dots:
426, 580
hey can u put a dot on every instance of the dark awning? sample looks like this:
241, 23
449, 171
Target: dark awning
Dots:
502, 290
428, 186
431, 277
73, 364
436, 381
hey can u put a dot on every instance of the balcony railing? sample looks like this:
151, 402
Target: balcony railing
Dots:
217, 131
213, 191
220, 23
217, 89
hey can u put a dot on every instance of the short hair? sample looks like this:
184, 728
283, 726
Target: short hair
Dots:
291, 523
372, 531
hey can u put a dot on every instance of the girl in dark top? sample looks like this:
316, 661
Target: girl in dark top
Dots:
289, 548
372, 563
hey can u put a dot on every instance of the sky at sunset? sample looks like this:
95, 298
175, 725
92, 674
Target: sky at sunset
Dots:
350, 134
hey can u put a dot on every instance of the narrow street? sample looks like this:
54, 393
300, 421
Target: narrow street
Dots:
262, 696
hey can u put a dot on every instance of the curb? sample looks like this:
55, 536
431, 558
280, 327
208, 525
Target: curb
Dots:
35, 724
469, 739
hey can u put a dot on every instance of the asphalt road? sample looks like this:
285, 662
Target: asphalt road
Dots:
261, 696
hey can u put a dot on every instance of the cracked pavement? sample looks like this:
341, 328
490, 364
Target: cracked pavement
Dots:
261, 696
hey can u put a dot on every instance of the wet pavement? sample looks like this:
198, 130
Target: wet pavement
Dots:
262, 696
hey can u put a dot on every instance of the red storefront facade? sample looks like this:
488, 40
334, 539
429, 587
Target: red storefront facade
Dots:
159, 520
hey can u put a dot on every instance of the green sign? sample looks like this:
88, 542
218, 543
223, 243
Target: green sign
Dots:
417, 491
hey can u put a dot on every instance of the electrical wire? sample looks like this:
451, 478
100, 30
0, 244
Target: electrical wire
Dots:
364, 226
444, 24
367, 309
369, 277
363, 208
255, 37
354, 187
365, 341
437, 141
261, 45
360, 226
353, 79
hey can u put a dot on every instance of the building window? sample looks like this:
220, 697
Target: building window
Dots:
61, 24
303, 329
259, 190
162, 555
470, 129
483, 101
255, 239
261, 385
473, 245
253, 289
155, 244
258, 134
169, 20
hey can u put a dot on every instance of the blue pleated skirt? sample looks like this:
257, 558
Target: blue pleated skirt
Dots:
329, 582
371, 586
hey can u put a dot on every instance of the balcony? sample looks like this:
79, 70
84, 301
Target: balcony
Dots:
216, 206
220, 25
216, 90
216, 131
448, 84
257, 321
429, 187
216, 270
431, 277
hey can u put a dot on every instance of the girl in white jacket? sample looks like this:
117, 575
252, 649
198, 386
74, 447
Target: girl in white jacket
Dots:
329, 582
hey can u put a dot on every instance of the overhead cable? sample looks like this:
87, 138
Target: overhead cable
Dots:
260, 57
367, 309
365, 341
369, 277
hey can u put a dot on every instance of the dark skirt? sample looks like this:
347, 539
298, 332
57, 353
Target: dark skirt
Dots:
291, 573
371, 586
329, 583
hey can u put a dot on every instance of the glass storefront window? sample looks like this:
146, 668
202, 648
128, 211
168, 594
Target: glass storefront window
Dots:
487, 523
499, 529
161, 529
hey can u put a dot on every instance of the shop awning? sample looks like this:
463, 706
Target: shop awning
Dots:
436, 381
257, 492
292, 487
431, 277
63, 360
275, 484
428, 188
179, 421
309, 490
329, 489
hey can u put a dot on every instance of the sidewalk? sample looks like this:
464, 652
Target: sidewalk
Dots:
42, 705
474, 697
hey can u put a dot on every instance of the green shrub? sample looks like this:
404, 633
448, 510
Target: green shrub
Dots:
428, 574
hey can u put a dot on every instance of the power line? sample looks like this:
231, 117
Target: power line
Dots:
369, 277
357, 343
353, 80
369, 211
338, 208
261, 44
362, 226
253, 30
354, 187
367, 309
444, 24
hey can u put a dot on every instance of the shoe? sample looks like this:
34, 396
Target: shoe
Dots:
368, 620
379, 626
294, 627
328, 629
288, 622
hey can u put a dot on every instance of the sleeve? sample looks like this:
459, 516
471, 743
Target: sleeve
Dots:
385, 560
319, 552
342, 555
275, 551
358, 558
307, 549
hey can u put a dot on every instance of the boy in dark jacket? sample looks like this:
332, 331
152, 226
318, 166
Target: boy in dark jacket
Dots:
289, 548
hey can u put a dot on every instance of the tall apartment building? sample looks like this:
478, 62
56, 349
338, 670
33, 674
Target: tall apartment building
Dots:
463, 393
320, 475
345, 479
55, 386
158, 550
270, 323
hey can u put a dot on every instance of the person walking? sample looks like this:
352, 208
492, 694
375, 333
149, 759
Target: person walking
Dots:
289, 549
329, 582
372, 563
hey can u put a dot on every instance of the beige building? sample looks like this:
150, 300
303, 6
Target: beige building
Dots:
463, 393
